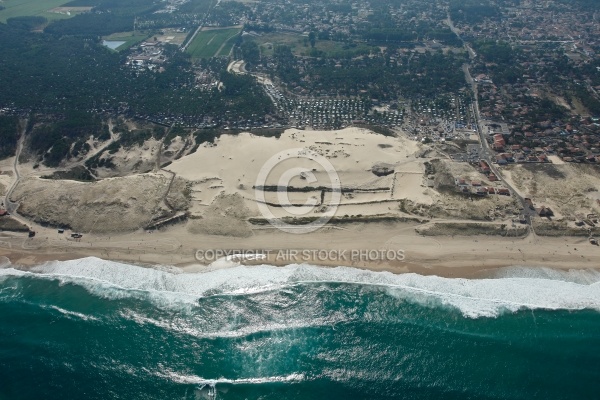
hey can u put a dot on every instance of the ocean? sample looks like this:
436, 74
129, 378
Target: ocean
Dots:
97, 329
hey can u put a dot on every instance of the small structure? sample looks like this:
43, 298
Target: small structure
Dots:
484, 166
3, 212
31, 234
499, 142
481, 191
61, 231
545, 212
529, 203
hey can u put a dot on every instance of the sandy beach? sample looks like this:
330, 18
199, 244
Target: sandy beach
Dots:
410, 211
444, 256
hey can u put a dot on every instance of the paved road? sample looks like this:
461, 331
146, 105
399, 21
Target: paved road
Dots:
184, 48
487, 154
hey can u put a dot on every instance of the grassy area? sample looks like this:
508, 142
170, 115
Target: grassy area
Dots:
128, 37
52, 16
226, 49
301, 47
269, 41
20, 8
172, 36
214, 42
337, 49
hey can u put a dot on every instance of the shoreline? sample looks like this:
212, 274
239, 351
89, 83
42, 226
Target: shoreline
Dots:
221, 206
28, 260
453, 257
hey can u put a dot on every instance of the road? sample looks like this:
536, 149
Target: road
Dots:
9, 205
184, 48
239, 67
488, 154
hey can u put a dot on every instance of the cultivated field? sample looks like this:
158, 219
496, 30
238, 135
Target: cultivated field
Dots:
19, 8
214, 42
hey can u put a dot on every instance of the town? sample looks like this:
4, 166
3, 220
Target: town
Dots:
519, 81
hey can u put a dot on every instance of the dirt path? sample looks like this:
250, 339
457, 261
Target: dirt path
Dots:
92, 153
10, 206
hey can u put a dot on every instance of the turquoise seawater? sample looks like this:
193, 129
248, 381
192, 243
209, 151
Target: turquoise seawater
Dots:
100, 330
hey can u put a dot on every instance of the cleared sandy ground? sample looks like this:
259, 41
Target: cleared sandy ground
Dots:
238, 159
568, 189
109, 205
234, 162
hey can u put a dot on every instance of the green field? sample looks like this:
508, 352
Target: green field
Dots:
300, 46
211, 43
20, 8
226, 49
128, 37
52, 16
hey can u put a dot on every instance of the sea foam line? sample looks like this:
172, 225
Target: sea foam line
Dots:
196, 380
73, 313
473, 297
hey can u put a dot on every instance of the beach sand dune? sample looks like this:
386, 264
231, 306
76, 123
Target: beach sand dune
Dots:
399, 210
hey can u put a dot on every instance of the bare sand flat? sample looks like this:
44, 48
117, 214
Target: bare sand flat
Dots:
570, 190
445, 256
234, 162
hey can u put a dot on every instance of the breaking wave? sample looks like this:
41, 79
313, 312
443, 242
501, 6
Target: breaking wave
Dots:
511, 290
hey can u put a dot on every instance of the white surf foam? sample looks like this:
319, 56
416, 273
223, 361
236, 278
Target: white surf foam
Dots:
73, 314
193, 379
519, 288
